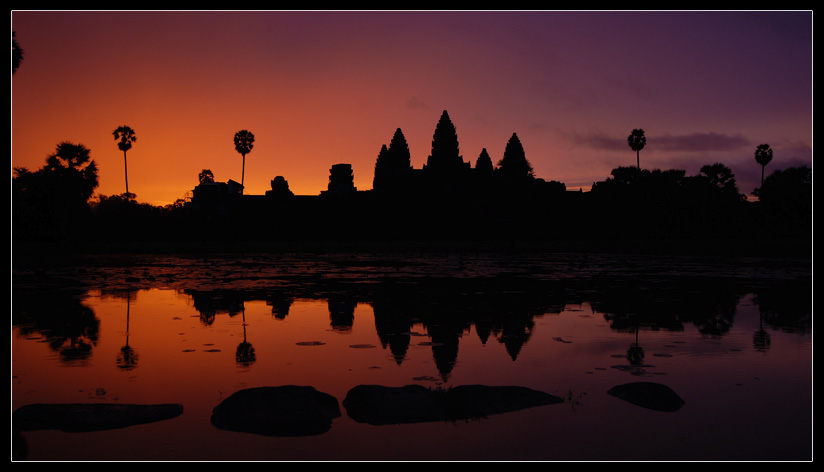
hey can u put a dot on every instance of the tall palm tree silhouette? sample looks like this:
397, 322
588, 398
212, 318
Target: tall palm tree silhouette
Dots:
637, 141
244, 141
127, 137
763, 156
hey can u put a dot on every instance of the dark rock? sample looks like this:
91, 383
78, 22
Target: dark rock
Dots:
484, 400
650, 395
82, 417
287, 410
379, 405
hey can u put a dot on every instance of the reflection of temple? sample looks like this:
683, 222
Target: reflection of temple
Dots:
280, 305
394, 326
444, 311
443, 316
232, 302
210, 304
447, 315
341, 312
441, 312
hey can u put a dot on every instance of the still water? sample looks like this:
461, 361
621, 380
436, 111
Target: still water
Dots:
735, 351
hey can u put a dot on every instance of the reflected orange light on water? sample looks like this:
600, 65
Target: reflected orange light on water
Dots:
186, 352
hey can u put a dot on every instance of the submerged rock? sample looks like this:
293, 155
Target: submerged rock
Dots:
287, 410
653, 396
83, 417
484, 400
379, 405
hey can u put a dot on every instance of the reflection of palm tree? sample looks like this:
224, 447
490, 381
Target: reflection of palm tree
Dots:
635, 353
245, 354
761, 338
127, 359
637, 141
244, 141
763, 156
127, 137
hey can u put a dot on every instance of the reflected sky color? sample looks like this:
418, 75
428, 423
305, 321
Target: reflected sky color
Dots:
320, 88
741, 402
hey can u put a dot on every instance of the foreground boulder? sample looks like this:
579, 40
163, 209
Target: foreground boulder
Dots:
84, 417
653, 396
379, 405
287, 410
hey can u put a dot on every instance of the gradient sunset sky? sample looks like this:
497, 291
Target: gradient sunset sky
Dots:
321, 88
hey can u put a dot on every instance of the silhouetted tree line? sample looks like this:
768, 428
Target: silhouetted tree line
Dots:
447, 199
52, 202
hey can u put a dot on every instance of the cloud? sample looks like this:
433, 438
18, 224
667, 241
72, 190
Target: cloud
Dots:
790, 153
695, 142
415, 103
596, 140
699, 142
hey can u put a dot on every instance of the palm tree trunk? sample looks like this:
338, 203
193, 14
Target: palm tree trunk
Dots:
126, 174
242, 173
638, 158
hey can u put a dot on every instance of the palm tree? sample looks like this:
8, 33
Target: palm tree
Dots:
637, 141
763, 156
206, 176
72, 169
127, 137
244, 141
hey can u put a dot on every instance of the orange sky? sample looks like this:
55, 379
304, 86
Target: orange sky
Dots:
320, 88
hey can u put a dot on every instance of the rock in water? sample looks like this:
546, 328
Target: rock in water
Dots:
287, 410
379, 405
484, 400
650, 395
83, 417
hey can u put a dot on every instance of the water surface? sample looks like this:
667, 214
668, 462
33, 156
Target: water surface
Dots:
732, 339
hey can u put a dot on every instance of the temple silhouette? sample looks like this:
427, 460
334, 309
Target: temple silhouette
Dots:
447, 199
447, 196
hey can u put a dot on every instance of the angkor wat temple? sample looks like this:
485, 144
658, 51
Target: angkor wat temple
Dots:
447, 194
450, 199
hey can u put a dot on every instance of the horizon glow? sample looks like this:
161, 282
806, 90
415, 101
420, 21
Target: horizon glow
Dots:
321, 88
